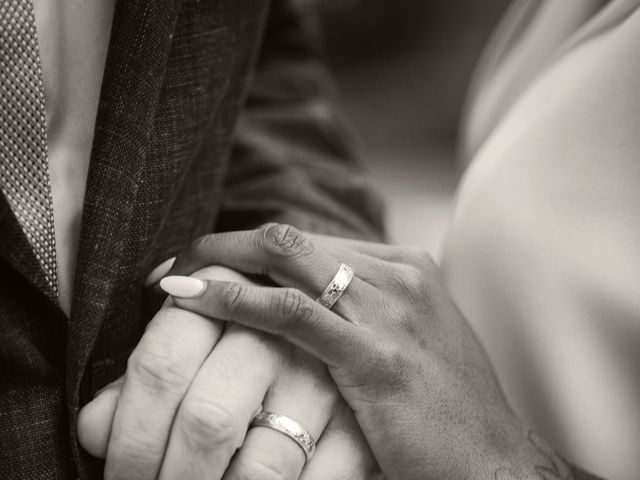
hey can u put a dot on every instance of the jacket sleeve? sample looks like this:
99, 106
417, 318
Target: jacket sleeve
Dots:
294, 157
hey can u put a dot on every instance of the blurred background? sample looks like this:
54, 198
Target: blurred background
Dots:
403, 67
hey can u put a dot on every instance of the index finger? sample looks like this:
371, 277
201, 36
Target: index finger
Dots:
287, 312
159, 372
280, 252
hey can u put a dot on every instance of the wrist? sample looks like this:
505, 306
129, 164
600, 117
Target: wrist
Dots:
529, 457
507, 454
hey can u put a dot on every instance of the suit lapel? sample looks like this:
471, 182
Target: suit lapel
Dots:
16, 250
140, 42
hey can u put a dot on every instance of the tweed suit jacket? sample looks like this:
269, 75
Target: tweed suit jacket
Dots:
213, 116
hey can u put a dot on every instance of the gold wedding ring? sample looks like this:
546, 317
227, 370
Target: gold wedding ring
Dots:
336, 288
288, 427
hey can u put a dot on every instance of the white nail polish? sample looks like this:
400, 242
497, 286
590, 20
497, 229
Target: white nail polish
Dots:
183, 287
159, 272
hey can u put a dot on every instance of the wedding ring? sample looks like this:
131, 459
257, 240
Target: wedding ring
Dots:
288, 427
337, 287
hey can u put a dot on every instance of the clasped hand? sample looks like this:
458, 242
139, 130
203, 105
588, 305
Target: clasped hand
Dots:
395, 346
182, 410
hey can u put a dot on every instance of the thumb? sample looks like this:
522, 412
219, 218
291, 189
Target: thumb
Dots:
95, 418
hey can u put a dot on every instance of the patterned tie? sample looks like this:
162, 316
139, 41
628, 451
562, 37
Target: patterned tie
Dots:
24, 168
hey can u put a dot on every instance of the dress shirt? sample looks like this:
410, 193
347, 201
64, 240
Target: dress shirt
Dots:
543, 254
73, 36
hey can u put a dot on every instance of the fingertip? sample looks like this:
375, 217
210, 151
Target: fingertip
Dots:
159, 272
94, 421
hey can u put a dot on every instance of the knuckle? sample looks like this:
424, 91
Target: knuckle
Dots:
132, 452
160, 369
284, 240
392, 358
202, 243
267, 225
232, 295
405, 283
400, 366
257, 469
208, 426
293, 307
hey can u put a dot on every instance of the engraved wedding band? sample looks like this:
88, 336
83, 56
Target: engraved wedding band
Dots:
337, 287
288, 427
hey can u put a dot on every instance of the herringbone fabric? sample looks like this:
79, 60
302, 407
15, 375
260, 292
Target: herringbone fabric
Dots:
24, 168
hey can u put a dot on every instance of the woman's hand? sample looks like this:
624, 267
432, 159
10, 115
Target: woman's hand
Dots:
397, 347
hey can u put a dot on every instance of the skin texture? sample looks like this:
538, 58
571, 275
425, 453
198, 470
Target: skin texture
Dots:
191, 388
398, 349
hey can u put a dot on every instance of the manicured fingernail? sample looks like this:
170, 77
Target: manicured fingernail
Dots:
183, 287
159, 272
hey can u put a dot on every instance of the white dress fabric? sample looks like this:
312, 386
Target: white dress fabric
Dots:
543, 253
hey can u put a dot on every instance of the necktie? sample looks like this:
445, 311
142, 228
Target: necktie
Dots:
24, 168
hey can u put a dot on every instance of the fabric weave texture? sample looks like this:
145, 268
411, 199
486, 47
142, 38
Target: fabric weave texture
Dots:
24, 167
214, 115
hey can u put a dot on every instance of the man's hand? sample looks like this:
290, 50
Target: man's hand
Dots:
183, 407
